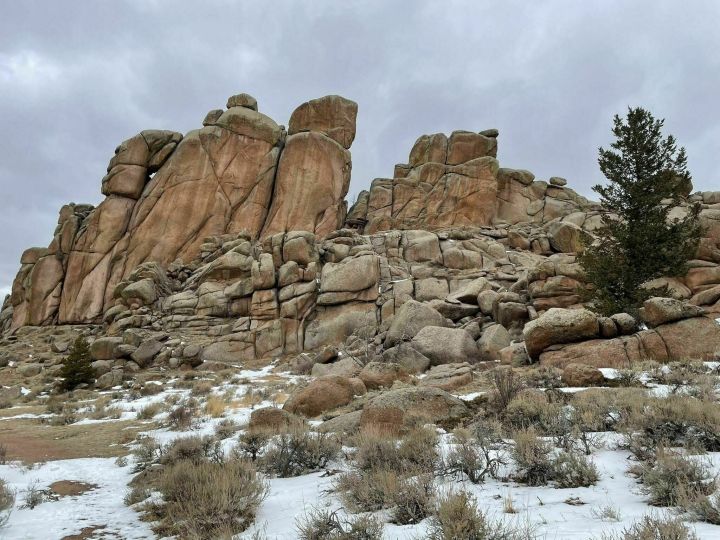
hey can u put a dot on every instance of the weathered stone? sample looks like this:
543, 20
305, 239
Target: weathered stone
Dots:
580, 375
242, 100
402, 408
557, 326
409, 320
657, 311
272, 419
333, 116
405, 355
381, 374
146, 352
106, 348
493, 339
448, 376
445, 345
323, 394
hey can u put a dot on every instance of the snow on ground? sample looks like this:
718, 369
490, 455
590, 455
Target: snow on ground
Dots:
546, 509
54, 519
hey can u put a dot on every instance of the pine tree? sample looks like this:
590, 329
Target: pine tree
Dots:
638, 241
77, 367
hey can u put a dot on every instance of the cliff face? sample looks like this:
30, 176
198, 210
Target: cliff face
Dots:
235, 237
166, 193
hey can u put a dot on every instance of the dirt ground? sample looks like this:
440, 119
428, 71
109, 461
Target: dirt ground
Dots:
31, 441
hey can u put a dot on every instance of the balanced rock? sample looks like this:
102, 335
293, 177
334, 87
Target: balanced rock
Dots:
658, 310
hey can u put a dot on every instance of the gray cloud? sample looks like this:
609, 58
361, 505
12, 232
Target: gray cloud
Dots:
76, 78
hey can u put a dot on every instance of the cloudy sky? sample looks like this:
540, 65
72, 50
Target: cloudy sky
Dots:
77, 78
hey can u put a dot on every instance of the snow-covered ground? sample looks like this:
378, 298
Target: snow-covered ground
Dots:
546, 509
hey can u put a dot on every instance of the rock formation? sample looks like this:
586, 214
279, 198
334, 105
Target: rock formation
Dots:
232, 244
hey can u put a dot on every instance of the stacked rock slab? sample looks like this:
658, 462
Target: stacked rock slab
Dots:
457, 181
225, 178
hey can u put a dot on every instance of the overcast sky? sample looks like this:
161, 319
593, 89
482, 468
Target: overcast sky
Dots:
77, 78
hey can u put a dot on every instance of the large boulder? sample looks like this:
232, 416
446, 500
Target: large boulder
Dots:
406, 356
557, 326
658, 310
448, 376
324, 394
401, 408
381, 374
493, 339
567, 237
697, 338
106, 348
445, 345
579, 375
333, 116
410, 319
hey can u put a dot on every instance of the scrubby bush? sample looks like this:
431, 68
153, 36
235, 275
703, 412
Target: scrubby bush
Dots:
532, 458
532, 408
209, 500
226, 428
252, 442
413, 501
322, 524
368, 491
506, 386
298, 451
149, 411
672, 478
654, 528
475, 455
77, 366
7, 502
195, 449
416, 452
458, 517
146, 452
180, 418
572, 469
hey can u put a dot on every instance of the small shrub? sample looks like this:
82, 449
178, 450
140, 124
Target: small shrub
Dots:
136, 494
572, 470
368, 491
532, 459
149, 411
226, 429
194, 449
3, 454
209, 500
673, 477
475, 457
531, 408
416, 452
77, 366
413, 500
506, 386
458, 517
215, 406
7, 502
252, 442
180, 418
321, 524
34, 496
702, 507
5, 403
654, 528
298, 451
201, 388
151, 389
146, 452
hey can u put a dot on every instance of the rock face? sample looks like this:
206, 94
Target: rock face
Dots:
236, 174
231, 244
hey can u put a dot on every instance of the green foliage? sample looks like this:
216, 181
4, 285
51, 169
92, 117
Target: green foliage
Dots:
77, 367
638, 241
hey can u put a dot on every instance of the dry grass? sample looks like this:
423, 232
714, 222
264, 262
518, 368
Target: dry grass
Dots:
215, 406
31, 441
654, 528
323, 524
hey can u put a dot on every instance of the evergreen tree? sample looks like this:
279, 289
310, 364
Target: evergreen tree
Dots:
638, 241
77, 367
